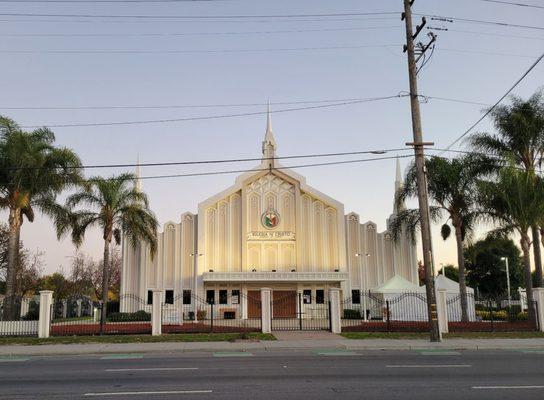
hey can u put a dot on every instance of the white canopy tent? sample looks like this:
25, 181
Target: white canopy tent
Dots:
407, 301
453, 299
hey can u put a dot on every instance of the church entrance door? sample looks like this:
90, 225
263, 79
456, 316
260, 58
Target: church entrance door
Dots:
254, 304
292, 311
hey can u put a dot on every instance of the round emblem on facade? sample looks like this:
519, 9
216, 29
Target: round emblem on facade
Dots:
270, 219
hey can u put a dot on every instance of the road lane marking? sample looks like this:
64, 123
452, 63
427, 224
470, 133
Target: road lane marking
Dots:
430, 366
337, 353
148, 369
232, 354
148, 393
440, 353
13, 359
121, 356
506, 387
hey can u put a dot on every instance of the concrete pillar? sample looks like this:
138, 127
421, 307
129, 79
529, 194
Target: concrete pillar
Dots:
64, 308
180, 311
156, 312
78, 301
96, 314
538, 294
442, 310
266, 314
334, 304
44, 323
243, 302
25, 306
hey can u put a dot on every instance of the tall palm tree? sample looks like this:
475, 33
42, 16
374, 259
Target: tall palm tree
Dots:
117, 207
452, 191
519, 137
514, 201
33, 171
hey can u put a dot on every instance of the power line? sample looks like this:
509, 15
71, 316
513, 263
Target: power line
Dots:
497, 103
478, 21
513, 4
198, 51
220, 161
226, 105
274, 168
109, 1
175, 34
494, 34
203, 17
207, 117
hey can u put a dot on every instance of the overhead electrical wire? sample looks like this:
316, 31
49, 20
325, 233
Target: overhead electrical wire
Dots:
511, 3
477, 21
489, 110
207, 117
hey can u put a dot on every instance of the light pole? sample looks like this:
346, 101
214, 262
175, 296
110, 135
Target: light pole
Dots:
363, 281
505, 259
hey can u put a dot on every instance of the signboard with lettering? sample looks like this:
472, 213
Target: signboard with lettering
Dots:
270, 235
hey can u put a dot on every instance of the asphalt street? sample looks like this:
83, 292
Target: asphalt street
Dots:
312, 375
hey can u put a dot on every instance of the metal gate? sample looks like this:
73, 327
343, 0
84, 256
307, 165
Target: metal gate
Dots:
292, 311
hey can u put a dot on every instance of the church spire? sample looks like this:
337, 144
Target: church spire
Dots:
269, 142
138, 183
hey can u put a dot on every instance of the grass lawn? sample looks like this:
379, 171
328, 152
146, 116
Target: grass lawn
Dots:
182, 337
460, 335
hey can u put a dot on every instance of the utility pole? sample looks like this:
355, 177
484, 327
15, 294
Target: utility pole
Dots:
418, 145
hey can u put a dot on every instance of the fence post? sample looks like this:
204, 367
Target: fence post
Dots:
539, 298
156, 313
44, 323
334, 304
442, 309
266, 315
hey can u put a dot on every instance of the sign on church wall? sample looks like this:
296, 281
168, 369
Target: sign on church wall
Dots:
271, 235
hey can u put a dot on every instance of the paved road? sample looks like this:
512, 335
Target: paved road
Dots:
309, 375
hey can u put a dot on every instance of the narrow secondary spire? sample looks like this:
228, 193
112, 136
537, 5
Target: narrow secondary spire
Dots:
269, 142
398, 186
138, 183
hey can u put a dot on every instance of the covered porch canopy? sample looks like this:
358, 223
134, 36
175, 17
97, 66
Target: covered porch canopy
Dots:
246, 277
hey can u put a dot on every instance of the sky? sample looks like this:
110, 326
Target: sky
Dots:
227, 62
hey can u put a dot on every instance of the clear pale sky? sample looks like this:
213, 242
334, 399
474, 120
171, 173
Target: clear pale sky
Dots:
155, 79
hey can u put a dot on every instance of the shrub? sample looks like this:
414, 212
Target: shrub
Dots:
522, 316
497, 315
352, 314
140, 315
201, 314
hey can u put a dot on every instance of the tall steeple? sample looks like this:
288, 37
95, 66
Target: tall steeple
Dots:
138, 183
269, 143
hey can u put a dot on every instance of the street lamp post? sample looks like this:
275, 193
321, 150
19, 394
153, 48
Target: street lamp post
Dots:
363, 281
505, 259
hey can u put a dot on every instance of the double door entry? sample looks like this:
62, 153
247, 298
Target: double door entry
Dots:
294, 311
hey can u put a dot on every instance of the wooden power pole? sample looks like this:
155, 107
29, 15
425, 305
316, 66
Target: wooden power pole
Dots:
418, 145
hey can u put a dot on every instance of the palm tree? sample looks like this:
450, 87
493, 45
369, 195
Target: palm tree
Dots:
514, 201
117, 207
519, 137
452, 190
33, 171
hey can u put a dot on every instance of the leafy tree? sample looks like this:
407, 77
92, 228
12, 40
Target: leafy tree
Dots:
86, 275
513, 201
32, 171
452, 185
58, 283
29, 266
451, 272
116, 206
519, 138
486, 270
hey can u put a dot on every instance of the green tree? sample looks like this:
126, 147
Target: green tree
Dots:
486, 270
451, 272
118, 208
33, 171
452, 185
519, 138
513, 201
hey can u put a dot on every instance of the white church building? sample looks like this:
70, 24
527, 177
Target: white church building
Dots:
269, 229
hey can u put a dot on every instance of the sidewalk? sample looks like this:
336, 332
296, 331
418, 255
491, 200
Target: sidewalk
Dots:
279, 345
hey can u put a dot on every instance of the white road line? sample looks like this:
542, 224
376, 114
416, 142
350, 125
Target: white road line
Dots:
148, 393
430, 366
147, 369
506, 387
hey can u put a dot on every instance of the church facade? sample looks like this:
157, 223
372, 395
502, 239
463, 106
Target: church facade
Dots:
270, 229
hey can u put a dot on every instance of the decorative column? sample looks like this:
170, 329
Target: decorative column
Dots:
44, 322
243, 302
442, 310
334, 304
78, 301
266, 315
156, 308
538, 294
